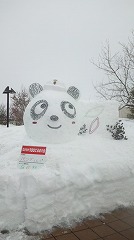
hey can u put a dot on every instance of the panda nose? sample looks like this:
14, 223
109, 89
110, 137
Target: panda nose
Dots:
54, 118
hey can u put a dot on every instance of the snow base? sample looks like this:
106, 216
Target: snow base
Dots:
80, 179
72, 204
61, 201
92, 175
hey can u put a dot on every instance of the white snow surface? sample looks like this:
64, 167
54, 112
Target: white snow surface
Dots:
91, 175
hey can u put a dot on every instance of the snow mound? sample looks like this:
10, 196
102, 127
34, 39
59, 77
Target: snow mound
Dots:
82, 178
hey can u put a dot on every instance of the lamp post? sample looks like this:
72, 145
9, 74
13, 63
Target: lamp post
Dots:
8, 91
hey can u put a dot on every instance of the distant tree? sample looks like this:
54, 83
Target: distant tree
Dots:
3, 114
19, 102
119, 69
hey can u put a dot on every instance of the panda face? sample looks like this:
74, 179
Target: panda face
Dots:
40, 107
51, 117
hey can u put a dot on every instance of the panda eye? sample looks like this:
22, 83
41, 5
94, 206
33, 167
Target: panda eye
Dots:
43, 105
68, 109
38, 109
70, 106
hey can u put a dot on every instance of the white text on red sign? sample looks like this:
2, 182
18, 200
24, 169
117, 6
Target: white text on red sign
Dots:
33, 150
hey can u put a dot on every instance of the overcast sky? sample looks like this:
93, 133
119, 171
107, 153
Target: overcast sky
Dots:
41, 40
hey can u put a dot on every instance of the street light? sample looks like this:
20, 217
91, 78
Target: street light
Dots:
7, 91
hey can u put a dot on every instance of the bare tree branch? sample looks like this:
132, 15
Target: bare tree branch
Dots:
119, 69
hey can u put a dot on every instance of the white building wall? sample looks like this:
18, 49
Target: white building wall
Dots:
124, 112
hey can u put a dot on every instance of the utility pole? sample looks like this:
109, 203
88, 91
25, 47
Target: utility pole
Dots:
8, 91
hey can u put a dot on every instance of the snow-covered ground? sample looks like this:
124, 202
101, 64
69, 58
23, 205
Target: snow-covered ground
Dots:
91, 175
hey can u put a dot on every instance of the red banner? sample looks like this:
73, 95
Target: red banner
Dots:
33, 150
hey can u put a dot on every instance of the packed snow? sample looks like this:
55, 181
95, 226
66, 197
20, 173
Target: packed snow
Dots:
90, 175
52, 116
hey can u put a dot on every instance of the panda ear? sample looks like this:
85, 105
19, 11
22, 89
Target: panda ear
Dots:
73, 92
34, 89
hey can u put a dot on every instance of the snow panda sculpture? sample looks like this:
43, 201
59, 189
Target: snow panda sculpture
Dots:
52, 114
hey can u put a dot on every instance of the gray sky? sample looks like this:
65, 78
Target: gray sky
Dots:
41, 40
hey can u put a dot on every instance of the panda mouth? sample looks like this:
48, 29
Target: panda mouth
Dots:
54, 127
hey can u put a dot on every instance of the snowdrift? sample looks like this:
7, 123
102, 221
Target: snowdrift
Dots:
83, 178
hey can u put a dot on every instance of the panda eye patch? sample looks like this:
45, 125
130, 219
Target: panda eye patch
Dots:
68, 109
38, 109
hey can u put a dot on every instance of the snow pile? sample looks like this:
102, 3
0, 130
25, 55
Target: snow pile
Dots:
85, 177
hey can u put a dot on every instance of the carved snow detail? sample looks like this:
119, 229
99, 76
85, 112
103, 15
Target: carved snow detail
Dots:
68, 109
94, 125
73, 92
42, 107
35, 88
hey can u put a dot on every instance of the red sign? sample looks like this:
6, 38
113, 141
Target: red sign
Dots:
33, 150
